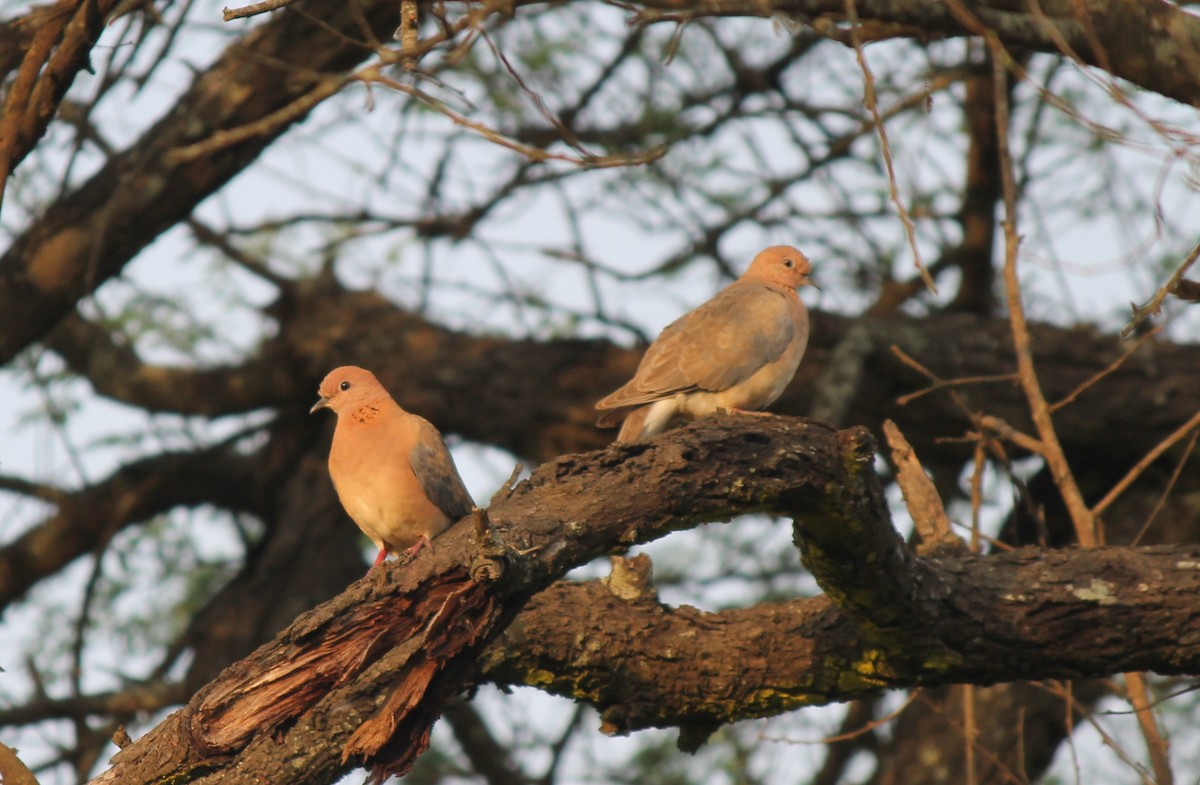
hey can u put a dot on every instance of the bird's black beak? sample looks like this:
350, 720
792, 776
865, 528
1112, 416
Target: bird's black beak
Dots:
320, 404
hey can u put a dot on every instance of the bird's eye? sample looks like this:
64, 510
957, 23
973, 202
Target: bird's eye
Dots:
344, 386
788, 263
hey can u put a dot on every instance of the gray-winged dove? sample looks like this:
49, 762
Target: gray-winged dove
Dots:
390, 468
736, 352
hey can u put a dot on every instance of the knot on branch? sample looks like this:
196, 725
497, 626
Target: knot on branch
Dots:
489, 562
632, 579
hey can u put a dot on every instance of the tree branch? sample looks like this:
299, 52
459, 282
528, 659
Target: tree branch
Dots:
62, 41
1152, 44
115, 371
87, 518
365, 675
88, 235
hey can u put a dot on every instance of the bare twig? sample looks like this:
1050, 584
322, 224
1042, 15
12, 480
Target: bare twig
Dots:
1170, 486
942, 384
1001, 770
34, 490
254, 9
1114, 365
373, 74
1081, 517
536, 154
1009, 433
267, 124
884, 146
866, 727
407, 32
1074, 705
1145, 462
1154, 305
1156, 745
970, 732
979, 463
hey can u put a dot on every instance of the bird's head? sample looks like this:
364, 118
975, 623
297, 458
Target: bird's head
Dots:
345, 387
782, 265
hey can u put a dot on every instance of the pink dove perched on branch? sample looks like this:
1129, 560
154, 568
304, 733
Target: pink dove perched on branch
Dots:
390, 468
736, 352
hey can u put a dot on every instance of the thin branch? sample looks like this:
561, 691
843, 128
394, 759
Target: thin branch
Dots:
1167, 489
942, 384
1156, 743
252, 264
1144, 463
254, 9
12, 770
1081, 517
970, 732
885, 147
34, 490
374, 74
1009, 433
1154, 305
264, 126
140, 698
1114, 365
1106, 737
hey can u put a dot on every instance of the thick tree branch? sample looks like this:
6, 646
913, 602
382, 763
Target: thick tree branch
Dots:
364, 675
88, 518
684, 667
1153, 44
115, 371
89, 235
566, 377
145, 698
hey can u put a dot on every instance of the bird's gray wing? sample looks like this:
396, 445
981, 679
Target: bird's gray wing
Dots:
714, 347
437, 474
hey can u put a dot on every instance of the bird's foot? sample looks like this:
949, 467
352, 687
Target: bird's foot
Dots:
415, 548
750, 412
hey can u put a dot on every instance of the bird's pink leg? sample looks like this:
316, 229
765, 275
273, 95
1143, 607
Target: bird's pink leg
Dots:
749, 411
377, 567
414, 549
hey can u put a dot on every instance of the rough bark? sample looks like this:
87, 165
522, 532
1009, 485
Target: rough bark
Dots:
365, 675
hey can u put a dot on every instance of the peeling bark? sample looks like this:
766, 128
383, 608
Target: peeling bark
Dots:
367, 673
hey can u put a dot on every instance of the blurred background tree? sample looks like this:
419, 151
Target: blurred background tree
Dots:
201, 217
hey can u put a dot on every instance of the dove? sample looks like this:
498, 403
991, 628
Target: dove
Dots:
390, 468
735, 353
